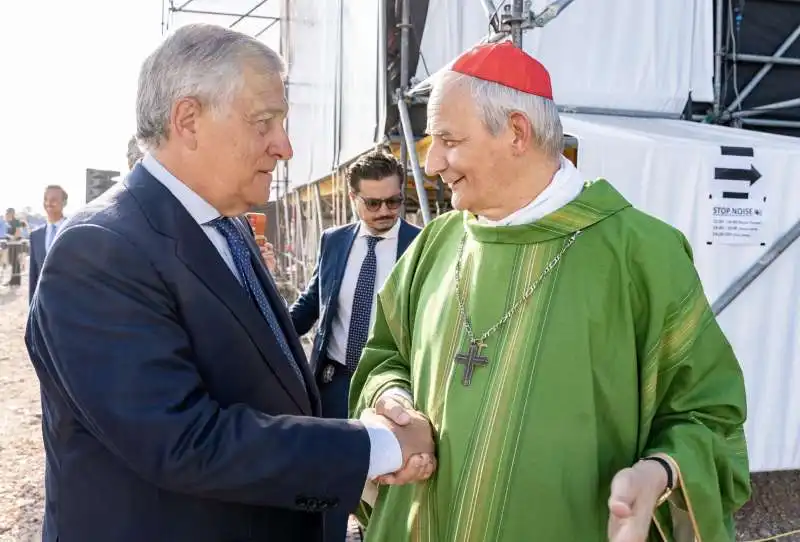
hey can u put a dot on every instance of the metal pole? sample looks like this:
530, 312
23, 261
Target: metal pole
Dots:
245, 15
419, 179
774, 123
763, 71
617, 112
491, 13
718, 59
756, 269
516, 22
488, 7
763, 59
766, 108
549, 13
405, 27
226, 14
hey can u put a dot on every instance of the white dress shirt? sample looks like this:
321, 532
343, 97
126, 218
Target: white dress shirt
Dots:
386, 256
385, 455
199, 209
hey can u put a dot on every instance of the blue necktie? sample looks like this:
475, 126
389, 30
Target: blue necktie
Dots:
362, 306
51, 234
242, 258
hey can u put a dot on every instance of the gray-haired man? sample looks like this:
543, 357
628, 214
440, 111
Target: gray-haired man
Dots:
178, 406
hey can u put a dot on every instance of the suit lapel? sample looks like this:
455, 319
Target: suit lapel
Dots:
402, 239
279, 308
38, 238
196, 251
341, 259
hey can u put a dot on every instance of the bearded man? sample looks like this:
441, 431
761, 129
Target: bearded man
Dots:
558, 339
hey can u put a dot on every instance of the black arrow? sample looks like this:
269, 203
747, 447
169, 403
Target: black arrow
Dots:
735, 195
736, 151
750, 175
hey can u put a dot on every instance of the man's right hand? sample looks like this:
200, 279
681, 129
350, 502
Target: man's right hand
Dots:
417, 465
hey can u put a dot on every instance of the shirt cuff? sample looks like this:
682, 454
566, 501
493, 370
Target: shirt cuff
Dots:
400, 392
385, 456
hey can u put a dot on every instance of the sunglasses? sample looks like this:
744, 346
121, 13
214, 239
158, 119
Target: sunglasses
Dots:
374, 204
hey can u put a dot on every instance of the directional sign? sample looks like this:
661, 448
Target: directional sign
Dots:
749, 175
737, 198
98, 181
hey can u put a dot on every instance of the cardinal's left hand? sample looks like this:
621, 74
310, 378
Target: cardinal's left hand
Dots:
634, 494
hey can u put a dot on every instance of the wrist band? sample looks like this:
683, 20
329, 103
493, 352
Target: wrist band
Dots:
667, 467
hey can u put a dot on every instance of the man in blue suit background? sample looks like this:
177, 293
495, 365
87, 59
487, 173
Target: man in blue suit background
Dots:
177, 401
55, 199
353, 262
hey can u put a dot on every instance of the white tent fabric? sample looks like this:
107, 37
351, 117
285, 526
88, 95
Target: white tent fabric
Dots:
334, 49
643, 55
668, 168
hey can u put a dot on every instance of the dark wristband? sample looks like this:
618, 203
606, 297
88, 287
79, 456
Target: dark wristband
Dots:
664, 463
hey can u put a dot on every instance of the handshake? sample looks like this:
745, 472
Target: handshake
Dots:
415, 435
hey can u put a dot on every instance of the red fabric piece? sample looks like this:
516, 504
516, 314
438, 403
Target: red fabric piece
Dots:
507, 65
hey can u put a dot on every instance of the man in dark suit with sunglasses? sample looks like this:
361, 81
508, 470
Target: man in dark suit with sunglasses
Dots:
354, 261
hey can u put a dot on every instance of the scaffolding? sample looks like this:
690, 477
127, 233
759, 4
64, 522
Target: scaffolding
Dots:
256, 18
729, 59
303, 212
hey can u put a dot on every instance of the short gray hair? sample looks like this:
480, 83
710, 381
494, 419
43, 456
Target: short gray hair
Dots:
496, 102
199, 60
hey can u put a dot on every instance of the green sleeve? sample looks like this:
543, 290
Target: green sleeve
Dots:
384, 362
692, 400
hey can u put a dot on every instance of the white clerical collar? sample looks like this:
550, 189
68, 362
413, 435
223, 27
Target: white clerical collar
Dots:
566, 185
389, 234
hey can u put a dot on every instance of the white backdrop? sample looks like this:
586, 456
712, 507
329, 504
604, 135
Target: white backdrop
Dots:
667, 168
333, 50
623, 54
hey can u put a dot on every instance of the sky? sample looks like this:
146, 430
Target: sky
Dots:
68, 88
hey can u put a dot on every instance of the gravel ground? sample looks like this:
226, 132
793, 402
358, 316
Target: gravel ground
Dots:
21, 453
774, 509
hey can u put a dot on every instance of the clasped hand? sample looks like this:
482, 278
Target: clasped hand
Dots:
415, 435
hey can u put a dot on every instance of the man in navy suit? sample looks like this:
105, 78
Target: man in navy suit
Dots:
55, 199
177, 401
353, 262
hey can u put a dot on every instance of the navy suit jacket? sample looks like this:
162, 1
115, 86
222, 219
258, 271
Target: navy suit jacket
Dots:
319, 301
170, 413
37, 248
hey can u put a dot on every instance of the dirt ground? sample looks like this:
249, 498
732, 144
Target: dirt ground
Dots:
774, 509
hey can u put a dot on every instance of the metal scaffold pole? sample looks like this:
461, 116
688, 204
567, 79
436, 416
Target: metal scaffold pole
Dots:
409, 147
405, 28
757, 268
419, 178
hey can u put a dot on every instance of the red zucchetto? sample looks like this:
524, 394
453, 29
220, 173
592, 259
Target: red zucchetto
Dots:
507, 65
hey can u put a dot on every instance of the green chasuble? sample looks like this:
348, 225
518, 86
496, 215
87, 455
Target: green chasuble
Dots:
615, 356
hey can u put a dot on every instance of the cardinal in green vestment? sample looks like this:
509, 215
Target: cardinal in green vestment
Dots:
558, 339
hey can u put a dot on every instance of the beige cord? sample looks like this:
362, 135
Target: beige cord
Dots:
776, 537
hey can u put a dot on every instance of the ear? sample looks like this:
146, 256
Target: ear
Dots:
521, 132
184, 120
352, 195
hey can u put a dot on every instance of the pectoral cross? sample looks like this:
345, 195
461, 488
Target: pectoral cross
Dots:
470, 360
